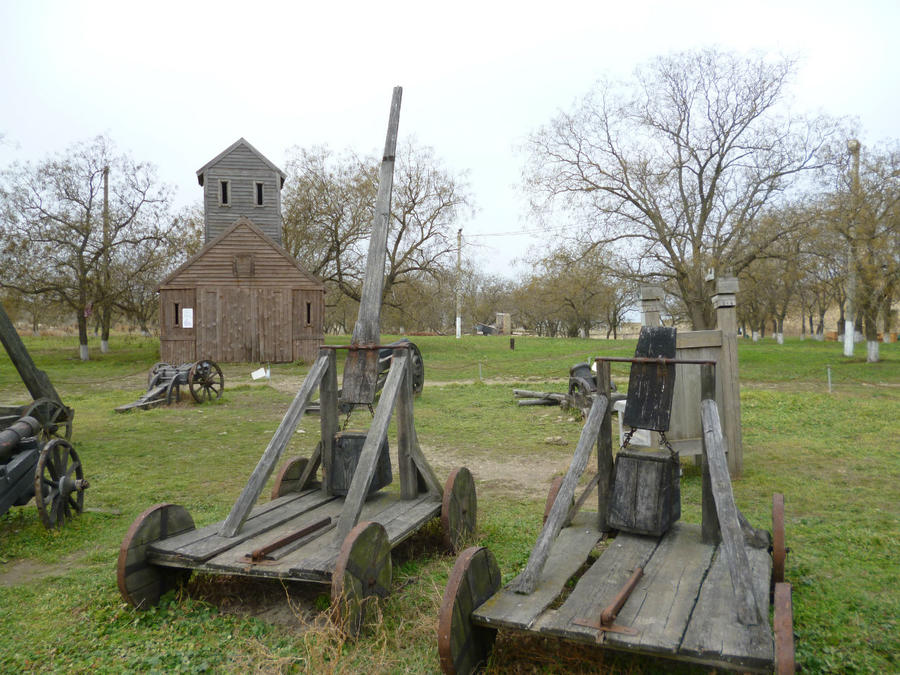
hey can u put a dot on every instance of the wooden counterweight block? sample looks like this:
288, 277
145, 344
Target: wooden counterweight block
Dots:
347, 448
646, 497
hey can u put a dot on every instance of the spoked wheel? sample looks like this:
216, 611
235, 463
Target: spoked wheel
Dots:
779, 551
459, 509
154, 373
141, 583
418, 369
362, 574
288, 479
55, 418
59, 483
206, 381
463, 646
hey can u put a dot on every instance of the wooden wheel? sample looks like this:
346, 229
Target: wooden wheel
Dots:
206, 381
154, 373
362, 574
463, 646
581, 394
418, 368
141, 583
55, 418
288, 479
551, 495
459, 510
779, 551
59, 483
784, 630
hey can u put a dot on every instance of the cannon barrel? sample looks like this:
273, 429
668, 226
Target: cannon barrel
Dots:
13, 435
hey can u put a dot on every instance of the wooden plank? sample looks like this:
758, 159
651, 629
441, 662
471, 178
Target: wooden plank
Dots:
729, 522
274, 450
368, 459
650, 385
698, 339
714, 633
604, 449
508, 609
597, 587
406, 429
527, 580
661, 604
328, 412
206, 542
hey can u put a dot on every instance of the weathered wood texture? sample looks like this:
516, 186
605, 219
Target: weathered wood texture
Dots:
274, 450
365, 468
646, 496
242, 166
508, 609
270, 311
347, 448
651, 385
362, 573
604, 449
528, 579
749, 612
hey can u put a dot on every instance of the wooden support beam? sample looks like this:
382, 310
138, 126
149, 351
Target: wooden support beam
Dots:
368, 458
709, 529
406, 436
274, 450
732, 545
35, 380
526, 582
604, 448
328, 413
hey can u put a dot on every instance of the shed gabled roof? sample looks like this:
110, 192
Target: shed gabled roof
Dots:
239, 142
242, 222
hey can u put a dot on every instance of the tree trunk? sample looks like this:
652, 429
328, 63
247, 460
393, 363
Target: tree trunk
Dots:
83, 352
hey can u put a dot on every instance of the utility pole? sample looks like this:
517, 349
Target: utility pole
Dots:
104, 308
850, 314
459, 283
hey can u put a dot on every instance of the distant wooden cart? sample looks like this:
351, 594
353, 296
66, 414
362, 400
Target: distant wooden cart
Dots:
338, 530
203, 379
643, 582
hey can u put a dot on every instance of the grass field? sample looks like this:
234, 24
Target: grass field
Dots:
834, 456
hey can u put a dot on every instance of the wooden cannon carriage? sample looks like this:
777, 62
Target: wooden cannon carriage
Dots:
203, 379
338, 530
36, 458
630, 577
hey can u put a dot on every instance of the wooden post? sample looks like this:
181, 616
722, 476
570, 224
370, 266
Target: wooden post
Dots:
35, 380
409, 476
328, 413
709, 528
274, 450
651, 305
604, 449
728, 373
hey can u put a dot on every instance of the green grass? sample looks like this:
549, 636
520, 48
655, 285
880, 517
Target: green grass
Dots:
833, 455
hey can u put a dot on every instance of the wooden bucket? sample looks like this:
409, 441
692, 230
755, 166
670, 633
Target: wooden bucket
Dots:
347, 449
646, 496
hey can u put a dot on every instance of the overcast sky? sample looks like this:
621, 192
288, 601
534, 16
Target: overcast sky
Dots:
175, 83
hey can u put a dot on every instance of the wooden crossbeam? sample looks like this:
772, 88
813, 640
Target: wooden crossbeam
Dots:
732, 544
527, 580
368, 458
274, 450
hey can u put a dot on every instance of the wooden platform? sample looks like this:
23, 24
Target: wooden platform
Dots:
311, 558
682, 608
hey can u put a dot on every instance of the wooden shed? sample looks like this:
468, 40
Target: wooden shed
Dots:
241, 298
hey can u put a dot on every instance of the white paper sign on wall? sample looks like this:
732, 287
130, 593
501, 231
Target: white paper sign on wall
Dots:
187, 317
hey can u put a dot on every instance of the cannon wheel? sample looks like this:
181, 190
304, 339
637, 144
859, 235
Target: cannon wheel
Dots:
581, 394
418, 369
54, 418
459, 509
288, 478
154, 373
362, 573
58, 483
206, 381
141, 583
462, 646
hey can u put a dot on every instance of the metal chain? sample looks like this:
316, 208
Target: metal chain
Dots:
627, 439
672, 453
347, 419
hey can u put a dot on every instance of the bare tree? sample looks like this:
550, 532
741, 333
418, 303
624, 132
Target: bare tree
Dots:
54, 226
678, 165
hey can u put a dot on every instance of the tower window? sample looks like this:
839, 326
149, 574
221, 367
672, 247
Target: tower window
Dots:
224, 193
308, 313
259, 194
176, 313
